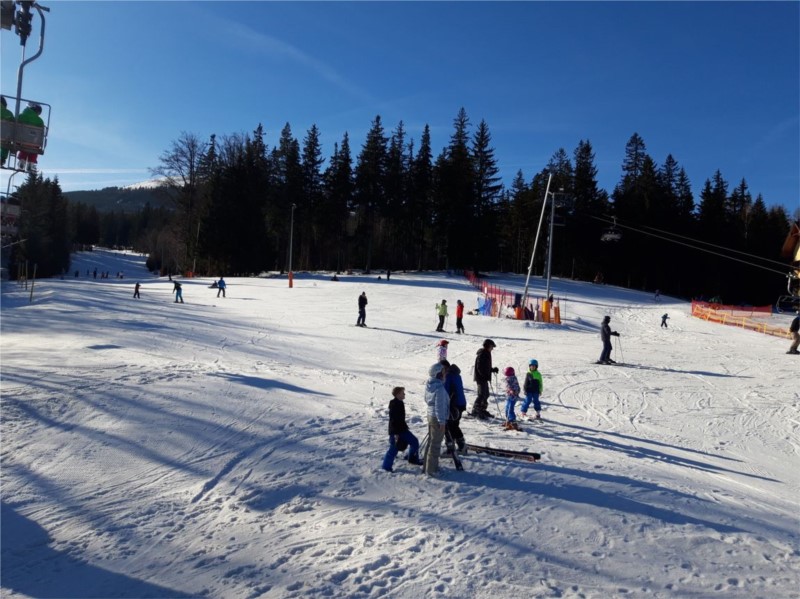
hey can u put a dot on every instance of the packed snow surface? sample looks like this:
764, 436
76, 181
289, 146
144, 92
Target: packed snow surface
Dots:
231, 447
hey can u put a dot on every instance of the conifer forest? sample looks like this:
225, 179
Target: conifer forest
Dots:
232, 202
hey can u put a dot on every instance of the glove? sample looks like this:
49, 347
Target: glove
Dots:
495, 370
615, 334
401, 444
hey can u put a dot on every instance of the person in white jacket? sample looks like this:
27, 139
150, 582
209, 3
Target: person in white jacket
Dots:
438, 409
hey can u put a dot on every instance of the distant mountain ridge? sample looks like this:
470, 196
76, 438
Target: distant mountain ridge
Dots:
121, 199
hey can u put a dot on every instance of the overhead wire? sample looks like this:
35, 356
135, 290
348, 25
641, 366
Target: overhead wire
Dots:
702, 249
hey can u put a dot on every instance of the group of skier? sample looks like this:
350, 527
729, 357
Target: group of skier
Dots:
446, 403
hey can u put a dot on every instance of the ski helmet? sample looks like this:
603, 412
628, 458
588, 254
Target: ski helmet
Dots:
443, 342
606, 319
489, 343
509, 371
534, 363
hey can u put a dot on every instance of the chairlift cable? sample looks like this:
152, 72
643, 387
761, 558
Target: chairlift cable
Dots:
780, 272
698, 241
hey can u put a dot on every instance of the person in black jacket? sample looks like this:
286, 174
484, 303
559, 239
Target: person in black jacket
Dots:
606, 334
483, 374
399, 435
362, 310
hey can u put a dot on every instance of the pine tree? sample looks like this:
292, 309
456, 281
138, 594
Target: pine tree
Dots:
370, 179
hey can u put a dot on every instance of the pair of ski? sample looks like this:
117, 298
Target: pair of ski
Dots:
526, 456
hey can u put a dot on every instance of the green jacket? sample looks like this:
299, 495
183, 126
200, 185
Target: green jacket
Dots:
29, 117
533, 382
441, 309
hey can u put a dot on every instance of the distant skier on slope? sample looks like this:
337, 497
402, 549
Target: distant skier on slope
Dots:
441, 311
362, 310
664, 319
605, 335
459, 317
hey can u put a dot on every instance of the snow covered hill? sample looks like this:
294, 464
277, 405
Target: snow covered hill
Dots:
231, 447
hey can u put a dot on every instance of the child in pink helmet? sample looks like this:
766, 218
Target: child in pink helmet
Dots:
512, 395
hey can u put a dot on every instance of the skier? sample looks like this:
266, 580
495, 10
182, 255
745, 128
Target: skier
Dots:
664, 318
459, 317
533, 387
441, 310
458, 404
400, 436
794, 329
605, 334
441, 351
136, 291
438, 408
483, 373
362, 310
221, 285
5, 115
657, 296
512, 395
26, 161
178, 291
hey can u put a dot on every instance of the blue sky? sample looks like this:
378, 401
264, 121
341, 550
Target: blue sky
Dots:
716, 84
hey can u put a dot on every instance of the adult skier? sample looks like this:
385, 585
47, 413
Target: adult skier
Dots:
459, 317
362, 310
482, 376
438, 410
605, 335
441, 310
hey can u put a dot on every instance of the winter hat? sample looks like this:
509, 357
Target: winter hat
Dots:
444, 301
443, 342
3, 101
534, 363
489, 343
454, 369
606, 319
509, 371
436, 370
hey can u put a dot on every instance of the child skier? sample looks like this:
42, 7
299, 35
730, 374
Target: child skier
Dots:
399, 435
512, 395
441, 350
664, 321
533, 387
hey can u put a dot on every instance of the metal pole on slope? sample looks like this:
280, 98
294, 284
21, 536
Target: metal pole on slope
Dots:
291, 235
550, 244
536, 241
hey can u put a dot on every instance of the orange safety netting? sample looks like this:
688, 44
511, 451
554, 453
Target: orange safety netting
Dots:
738, 316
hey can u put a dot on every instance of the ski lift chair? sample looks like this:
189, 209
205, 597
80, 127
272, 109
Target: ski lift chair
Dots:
612, 233
20, 137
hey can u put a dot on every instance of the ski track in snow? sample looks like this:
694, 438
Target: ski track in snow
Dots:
231, 447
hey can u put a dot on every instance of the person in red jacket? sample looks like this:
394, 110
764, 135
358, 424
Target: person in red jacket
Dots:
459, 317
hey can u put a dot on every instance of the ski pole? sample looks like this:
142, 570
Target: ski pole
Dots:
621, 355
494, 394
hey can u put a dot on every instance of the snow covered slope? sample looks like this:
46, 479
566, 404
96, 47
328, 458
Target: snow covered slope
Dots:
232, 447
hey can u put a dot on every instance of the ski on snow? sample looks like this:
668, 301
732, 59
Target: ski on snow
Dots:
529, 456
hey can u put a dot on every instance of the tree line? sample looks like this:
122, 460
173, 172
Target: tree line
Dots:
235, 203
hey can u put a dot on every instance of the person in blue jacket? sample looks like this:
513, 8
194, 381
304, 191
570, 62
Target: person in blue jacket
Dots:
221, 285
605, 335
454, 386
399, 435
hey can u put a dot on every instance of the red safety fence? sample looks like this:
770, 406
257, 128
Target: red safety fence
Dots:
501, 302
739, 316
